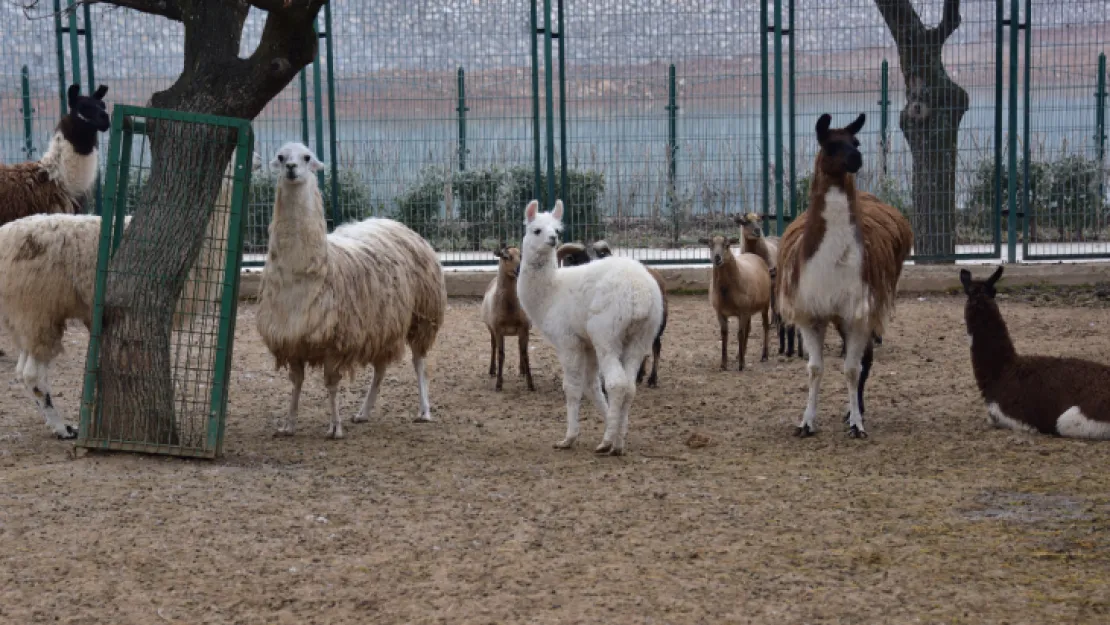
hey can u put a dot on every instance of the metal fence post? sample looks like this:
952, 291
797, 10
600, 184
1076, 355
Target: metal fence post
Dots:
1100, 128
884, 118
778, 115
672, 138
61, 52
549, 104
332, 144
570, 231
1011, 199
74, 47
318, 110
996, 217
790, 122
536, 166
304, 107
28, 115
462, 109
1026, 187
764, 92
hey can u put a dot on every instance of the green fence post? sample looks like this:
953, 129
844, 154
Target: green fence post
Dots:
332, 145
462, 109
570, 231
304, 107
672, 138
1100, 120
74, 46
549, 104
28, 115
87, 32
998, 89
535, 101
1026, 187
764, 92
778, 114
318, 110
884, 118
61, 52
1011, 199
790, 121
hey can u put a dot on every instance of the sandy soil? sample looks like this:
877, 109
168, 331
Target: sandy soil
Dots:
476, 519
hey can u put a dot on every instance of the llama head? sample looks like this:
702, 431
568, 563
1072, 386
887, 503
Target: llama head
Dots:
542, 231
572, 254
508, 261
719, 250
751, 225
601, 249
839, 153
978, 290
295, 163
88, 111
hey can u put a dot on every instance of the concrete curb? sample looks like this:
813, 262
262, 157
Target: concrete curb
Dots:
915, 278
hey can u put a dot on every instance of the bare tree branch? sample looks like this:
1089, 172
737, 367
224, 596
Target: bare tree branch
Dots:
949, 22
170, 9
902, 20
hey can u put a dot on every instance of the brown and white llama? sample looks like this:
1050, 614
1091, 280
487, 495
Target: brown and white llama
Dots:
1065, 396
839, 262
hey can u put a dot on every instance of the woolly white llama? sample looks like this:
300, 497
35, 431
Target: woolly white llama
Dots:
1064, 396
839, 262
346, 299
601, 317
47, 277
58, 181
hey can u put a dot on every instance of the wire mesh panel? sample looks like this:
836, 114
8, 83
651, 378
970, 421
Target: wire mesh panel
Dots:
30, 105
928, 85
157, 366
1063, 126
663, 107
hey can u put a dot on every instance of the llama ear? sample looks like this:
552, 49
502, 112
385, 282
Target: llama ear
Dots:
994, 276
499, 253
100, 92
855, 126
823, 127
530, 211
965, 279
72, 94
276, 165
557, 213
315, 164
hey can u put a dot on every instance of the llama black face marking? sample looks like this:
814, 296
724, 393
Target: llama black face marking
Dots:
839, 146
88, 115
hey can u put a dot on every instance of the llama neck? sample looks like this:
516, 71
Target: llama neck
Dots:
67, 167
833, 199
536, 284
727, 273
298, 232
992, 351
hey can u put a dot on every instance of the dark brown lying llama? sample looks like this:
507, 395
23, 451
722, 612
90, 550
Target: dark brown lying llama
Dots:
1065, 396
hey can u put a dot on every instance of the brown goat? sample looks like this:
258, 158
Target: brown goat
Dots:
571, 254
1065, 396
840, 262
503, 315
739, 286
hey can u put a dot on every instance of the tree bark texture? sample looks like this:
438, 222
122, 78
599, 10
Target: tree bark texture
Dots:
148, 271
930, 122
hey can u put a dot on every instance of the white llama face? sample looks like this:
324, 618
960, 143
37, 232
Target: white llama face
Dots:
542, 231
295, 163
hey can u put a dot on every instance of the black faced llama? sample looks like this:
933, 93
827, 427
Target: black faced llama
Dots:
839, 262
1064, 396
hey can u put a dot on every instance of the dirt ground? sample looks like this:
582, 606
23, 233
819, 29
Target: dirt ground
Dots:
477, 519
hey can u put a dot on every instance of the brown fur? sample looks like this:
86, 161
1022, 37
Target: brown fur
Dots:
740, 286
503, 316
1035, 390
27, 192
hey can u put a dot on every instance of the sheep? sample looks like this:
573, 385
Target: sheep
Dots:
739, 286
754, 242
601, 317
571, 254
47, 277
1063, 396
346, 299
59, 181
840, 262
503, 316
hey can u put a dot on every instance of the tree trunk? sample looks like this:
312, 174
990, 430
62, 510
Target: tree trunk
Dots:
148, 271
930, 121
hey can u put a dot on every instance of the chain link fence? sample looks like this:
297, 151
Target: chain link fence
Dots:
656, 122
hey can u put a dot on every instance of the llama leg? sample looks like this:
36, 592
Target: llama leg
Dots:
525, 364
36, 377
723, 322
597, 394
331, 382
742, 334
813, 334
371, 395
642, 371
782, 341
492, 354
766, 335
574, 381
621, 440
656, 348
801, 346
296, 376
500, 360
424, 415
621, 390
19, 366
856, 342
864, 373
